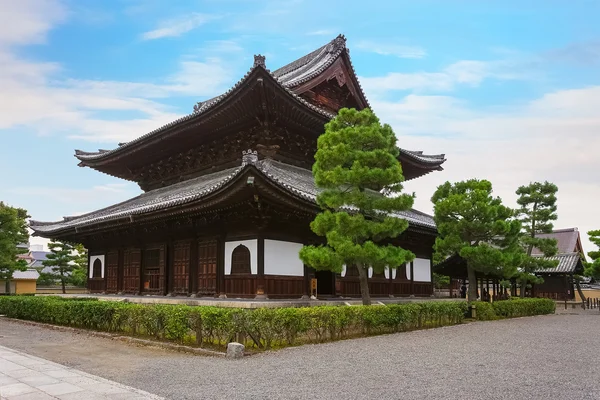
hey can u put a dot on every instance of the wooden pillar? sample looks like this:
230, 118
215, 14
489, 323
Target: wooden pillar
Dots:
305, 291
120, 278
141, 274
170, 272
193, 268
451, 289
412, 279
220, 287
261, 290
390, 285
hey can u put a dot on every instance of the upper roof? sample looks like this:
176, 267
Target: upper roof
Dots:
289, 79
568, 240
298, 182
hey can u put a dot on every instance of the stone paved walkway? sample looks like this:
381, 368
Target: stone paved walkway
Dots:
31, 378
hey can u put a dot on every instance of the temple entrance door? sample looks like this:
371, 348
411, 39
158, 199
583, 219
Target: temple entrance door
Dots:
112, 270
207, 267
325, 283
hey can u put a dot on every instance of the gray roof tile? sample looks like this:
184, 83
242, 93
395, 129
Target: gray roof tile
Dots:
298, 181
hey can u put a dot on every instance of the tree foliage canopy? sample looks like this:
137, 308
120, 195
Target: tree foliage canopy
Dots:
66, 263
592, 269
477, 226
360, 178
538, 210
13, 232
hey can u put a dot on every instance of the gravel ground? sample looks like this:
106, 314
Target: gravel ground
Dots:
550, 357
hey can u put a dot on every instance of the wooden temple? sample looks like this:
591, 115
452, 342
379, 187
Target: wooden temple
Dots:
229, 194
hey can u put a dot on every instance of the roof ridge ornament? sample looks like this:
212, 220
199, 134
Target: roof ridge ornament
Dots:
259, 60
337, 44
249, 157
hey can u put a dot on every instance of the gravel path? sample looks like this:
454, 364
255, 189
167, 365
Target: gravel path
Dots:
550, 357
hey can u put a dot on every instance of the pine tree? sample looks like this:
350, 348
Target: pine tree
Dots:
359, 176
79, 275
61, 260
592, 269
13, 232
476, 226
538, 210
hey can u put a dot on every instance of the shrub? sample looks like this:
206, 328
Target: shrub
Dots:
262, 328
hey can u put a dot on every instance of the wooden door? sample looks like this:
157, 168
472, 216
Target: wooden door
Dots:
112, 271
181, 267
131, 270
207, 267
154, 269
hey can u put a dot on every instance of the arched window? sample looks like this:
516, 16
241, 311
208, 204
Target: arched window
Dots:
240, 261
97, 269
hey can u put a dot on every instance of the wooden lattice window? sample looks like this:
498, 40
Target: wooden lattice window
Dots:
97, 269
240, 261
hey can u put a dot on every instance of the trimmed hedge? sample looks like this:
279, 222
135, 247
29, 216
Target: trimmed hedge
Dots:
261, 328
514, 308
214, 326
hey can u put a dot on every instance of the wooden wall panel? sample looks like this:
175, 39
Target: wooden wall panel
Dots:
131, 270
241, 286
181, 267
207, 267
154, 269
279, 286
112, 271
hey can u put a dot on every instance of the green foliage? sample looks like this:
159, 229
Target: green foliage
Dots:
68, 264
478, 227
13, 231
360, 178
592, 269
538, 210
212, 326
439, 281
514, 308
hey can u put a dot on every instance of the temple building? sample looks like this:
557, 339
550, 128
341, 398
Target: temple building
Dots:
229, 194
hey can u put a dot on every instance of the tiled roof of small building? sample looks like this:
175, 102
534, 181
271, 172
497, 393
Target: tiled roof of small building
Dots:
298, 181
29, 274
568, 263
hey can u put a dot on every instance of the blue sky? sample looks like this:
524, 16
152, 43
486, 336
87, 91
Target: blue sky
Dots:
509, 90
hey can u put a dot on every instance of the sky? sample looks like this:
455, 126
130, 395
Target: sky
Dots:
508, 90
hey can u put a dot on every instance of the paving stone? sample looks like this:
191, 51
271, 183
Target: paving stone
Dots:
22, 373
105, 388
81, 380
15, 389
37, 395
56, 389
39, 380
7, 380
61, 373
6, 366
85, 395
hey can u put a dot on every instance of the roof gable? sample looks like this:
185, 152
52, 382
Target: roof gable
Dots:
568, 240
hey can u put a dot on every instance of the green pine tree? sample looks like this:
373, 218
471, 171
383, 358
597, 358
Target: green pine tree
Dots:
360, 177
79, 274
13, 232
61, 260
475, 225
538, 210
592, 269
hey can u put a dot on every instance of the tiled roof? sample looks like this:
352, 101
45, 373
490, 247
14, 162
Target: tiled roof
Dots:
28, 274
566, 240
298, 181
567, 263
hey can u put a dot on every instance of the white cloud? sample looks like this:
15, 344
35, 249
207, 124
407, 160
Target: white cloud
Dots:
551, 138
322, 32
79, 197
465, 72
27, 21
391, 49
177, 26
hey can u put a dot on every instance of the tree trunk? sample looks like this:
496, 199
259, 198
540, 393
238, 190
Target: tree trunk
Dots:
579, 290
7, 286
523, 284
62, 282
363, 276
472, 293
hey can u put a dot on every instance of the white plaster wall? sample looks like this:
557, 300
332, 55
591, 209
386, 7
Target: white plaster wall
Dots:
91, 265
408, 271
370, 272
282, 258
252, 245
422, 270
343, 270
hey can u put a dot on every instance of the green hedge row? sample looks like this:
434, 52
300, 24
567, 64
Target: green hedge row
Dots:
514, 308
261, 328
